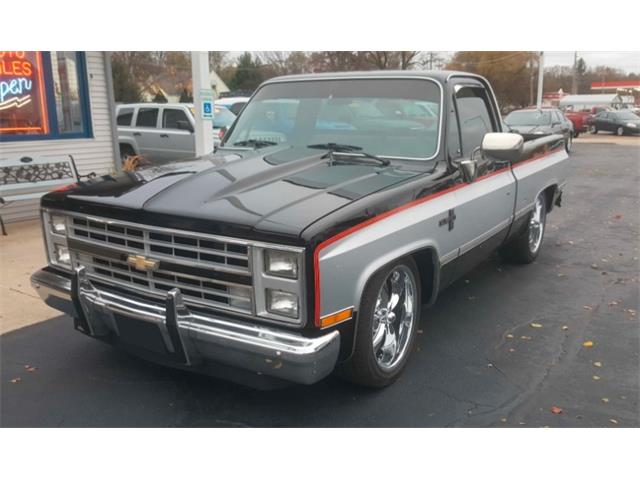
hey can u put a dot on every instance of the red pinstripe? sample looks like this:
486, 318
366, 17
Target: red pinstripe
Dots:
382, 216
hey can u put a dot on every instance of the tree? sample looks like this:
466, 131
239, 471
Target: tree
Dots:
508, 72
247, 75
125, 87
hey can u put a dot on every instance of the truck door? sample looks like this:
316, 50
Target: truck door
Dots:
485, 206
146, 133
177, 140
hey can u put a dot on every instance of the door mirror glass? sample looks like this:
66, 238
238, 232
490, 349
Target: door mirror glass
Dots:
184, 125
503, 146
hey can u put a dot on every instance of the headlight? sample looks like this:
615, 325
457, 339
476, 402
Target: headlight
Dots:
58, 224
281, 264
631, 125
282, 303
61, 254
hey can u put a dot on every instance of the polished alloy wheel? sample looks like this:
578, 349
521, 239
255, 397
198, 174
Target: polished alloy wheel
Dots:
393, 317
536, 225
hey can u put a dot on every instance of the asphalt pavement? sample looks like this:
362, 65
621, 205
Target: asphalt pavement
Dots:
505, 346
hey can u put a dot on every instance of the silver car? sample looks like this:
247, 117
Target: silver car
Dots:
163, 132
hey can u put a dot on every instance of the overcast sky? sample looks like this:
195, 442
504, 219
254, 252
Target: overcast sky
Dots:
627, 61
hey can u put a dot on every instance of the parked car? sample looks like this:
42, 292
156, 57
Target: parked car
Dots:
620, 122
235, 104
533, 123
163, 132
312, 237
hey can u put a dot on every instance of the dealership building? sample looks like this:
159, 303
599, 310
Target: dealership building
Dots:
56, 104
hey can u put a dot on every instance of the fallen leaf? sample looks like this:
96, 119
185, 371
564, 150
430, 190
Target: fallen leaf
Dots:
512, 350
564, 327
570, 242
614, 421
536, 325
489, 364
605, 400
587, 307
31, 369
597, 364
613, 303
556, 410
617, 216
594, 266
509, 335
587, 344
596, 377
524, 337
16, 380
562, 274
503, 420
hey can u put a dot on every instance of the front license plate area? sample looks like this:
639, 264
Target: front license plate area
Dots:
140, 334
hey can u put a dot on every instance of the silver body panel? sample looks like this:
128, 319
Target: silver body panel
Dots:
483, 209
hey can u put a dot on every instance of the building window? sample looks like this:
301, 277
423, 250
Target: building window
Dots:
43, 96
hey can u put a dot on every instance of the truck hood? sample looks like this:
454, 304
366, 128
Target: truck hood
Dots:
276, 190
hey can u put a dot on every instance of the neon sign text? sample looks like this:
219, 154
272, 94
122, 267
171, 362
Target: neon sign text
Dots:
14, 87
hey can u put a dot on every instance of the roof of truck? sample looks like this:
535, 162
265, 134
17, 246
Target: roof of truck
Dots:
438, 75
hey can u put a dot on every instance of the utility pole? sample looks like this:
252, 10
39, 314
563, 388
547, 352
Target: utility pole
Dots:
203, 103
574, 83
540, 79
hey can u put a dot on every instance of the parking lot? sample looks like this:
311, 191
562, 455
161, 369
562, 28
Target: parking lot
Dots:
505, 346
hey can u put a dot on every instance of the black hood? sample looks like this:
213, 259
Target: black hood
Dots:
277, 191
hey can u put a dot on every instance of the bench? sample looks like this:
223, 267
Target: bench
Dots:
29, 178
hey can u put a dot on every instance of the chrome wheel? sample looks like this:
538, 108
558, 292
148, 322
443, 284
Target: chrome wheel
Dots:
393, 317
620, 131
536, 225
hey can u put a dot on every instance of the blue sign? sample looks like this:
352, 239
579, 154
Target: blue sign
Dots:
207, 109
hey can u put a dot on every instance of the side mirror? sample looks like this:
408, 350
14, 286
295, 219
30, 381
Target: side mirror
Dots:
184, 125
503, 146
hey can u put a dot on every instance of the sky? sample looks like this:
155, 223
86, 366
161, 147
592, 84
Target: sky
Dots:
627, 61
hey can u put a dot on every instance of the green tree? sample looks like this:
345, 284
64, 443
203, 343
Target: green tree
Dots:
248, 73
125, 87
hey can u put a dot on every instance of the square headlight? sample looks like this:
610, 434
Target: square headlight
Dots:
281, 263
62, 256
282, 303
58, 224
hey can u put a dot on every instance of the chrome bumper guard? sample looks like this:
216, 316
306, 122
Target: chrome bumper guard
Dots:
191, 337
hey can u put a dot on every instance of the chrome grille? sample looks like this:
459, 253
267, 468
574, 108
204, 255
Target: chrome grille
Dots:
203, 267
195, 289
164, 244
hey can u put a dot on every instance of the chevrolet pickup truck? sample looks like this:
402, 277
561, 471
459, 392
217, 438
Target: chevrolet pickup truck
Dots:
337, 206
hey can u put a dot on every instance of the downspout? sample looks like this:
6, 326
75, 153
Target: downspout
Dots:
111, 105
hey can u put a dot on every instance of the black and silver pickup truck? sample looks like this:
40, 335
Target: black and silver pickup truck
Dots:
336, 207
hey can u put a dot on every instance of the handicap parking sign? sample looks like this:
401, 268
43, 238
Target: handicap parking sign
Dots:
207, 109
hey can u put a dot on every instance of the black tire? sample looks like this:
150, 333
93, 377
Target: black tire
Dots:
620, 131
519, 249
363, 368
125, 152
593, 129
568, 144
576, 134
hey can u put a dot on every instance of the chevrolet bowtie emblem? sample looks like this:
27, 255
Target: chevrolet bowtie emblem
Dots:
140, 262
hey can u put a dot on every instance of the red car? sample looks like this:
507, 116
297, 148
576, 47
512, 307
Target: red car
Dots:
581, 121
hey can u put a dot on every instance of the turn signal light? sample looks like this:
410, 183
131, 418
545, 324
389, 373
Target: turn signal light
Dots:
337, 317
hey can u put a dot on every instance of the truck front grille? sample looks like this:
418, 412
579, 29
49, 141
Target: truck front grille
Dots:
209, 271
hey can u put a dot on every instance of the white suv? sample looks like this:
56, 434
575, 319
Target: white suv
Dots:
163, 132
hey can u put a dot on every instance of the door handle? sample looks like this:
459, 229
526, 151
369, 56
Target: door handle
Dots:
164, 135
136, 134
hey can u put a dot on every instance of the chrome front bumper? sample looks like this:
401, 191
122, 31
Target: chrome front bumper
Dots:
189, 338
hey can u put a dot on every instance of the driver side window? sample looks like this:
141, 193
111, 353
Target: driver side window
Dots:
474, 116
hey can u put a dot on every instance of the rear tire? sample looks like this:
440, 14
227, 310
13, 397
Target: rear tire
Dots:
385, 334
525, 247
568, 144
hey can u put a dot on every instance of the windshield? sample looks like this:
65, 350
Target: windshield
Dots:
222, 117
533, 117
393, 118
627, 116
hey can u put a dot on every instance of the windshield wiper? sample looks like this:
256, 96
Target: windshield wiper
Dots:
342, 148
254, 142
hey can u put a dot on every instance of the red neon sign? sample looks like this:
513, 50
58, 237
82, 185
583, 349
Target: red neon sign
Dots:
22, 98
